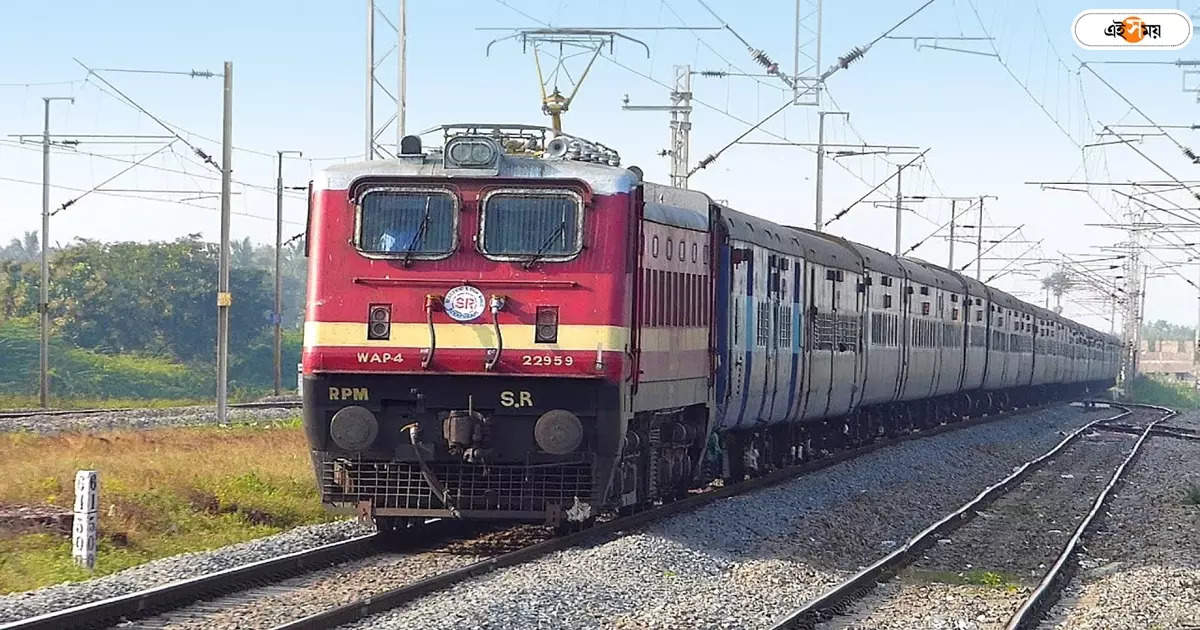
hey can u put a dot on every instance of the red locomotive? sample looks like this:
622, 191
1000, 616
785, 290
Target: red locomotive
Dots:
513, 326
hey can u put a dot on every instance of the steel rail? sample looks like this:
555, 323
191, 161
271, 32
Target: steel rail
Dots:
397, 597
834, 600
289, 404
182, 592
1047, 592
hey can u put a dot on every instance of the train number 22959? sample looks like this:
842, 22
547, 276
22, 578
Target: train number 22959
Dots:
546, 359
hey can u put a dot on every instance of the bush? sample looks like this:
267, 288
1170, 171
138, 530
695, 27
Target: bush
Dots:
77, 373
1155, 392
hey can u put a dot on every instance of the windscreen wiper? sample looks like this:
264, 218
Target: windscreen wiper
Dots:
562, 226
408, 251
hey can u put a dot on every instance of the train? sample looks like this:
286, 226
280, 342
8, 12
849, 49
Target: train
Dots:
513, 326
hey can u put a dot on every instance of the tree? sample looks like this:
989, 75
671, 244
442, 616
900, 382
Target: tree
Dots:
159, 298
23, 249
1057, 283
1163, 330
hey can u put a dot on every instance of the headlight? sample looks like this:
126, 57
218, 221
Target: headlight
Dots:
471, 152
353, 428
558, 432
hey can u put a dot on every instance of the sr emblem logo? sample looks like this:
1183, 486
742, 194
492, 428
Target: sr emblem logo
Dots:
464, 303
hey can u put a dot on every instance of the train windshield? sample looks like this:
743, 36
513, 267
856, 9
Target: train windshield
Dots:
532, 225
414, 223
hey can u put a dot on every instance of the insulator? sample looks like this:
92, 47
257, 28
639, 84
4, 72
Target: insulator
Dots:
850, 57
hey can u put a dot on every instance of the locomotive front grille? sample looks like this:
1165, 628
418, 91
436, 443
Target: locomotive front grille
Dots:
495, 487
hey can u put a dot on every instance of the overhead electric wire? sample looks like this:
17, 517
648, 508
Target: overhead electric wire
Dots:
138, 197
843, 62
71, 202
206, 157
725, 113
67, 151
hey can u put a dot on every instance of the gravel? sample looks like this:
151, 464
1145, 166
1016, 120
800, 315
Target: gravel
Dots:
746, 560
1141, 565
1006, 548
309, 594
142, 419
21, 605
269, 606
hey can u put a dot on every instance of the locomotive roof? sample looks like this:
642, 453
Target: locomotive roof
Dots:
601, 178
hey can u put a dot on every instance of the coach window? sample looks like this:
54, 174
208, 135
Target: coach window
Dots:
694, 250
417, 223
682, 252
531, 224
654, 247
670, 248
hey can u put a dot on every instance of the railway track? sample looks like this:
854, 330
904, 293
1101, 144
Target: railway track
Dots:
223, 593
28, 413
1099, 459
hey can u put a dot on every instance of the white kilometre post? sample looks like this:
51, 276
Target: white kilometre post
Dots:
84, 529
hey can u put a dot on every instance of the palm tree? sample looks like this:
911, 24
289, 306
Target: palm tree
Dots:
1058, 283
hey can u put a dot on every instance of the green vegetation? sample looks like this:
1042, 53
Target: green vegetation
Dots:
1162, 330
1191, 494
976, 577
162, 492
137, 320
1155, 392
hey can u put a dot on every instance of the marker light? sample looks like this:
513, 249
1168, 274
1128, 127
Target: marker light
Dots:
546, 326
379, 321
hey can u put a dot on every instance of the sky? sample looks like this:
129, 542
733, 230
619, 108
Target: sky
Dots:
1014, 109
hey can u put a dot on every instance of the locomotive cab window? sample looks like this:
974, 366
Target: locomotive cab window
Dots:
532, 225
406, 223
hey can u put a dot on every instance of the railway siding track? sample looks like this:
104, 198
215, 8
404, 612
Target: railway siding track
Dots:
49, 421
154, 601
839, 599
1141, 563
147, 602
30, 413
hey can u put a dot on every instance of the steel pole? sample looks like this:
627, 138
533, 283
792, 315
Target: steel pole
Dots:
224, 298
277, 317
820, 170
1196, 332
44, 288
402, 98
369, 127
44, 285
278, 313
898, 209
979, 242
953, 218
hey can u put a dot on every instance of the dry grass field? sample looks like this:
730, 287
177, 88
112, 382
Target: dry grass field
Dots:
162, 492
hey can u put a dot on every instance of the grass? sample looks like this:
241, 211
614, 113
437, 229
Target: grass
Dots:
1155, 392
162, 492
975, 577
